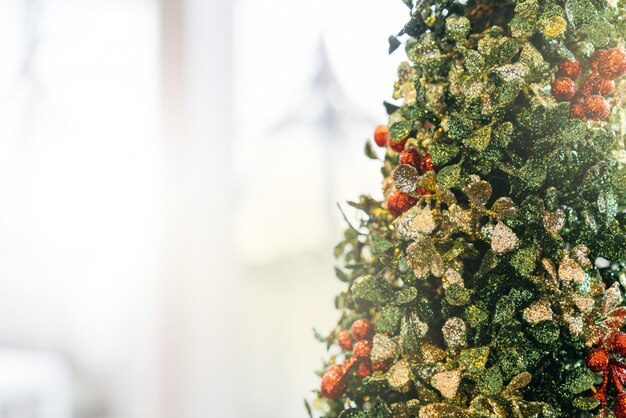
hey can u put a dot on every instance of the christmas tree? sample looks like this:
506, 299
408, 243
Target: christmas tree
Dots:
490, 281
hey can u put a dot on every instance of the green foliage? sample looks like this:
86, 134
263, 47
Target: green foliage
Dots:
486, 295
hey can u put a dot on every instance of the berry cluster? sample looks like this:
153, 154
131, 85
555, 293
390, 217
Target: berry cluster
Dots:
588, 101
335, 379
613, 371
399, 202
382, 137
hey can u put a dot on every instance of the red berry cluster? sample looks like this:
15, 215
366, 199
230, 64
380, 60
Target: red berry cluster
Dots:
399, 202
335, 379
587, 101
382, 137
613, 371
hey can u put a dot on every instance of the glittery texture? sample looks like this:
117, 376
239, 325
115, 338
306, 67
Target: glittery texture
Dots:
362, 329
399, 202
570, 69
399, 376
503, 239
537, 312
563, 89
454, 333
406, 177
447, 383
497, 259
383, 348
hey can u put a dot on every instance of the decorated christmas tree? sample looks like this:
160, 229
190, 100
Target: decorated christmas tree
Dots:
490, 280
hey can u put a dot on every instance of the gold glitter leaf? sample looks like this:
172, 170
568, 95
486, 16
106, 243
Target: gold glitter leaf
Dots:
406, 177
399, 376
553, 222
504, 208
570, 271
432, 354
383, 348
538, 311
451, 277
424, 259
423, 221
518, 382
428, 181
478, 192
454, 332
442, 410
503, 239
612, 298
447, 383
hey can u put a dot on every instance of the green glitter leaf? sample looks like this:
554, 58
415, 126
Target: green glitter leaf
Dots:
580, 380
373, 289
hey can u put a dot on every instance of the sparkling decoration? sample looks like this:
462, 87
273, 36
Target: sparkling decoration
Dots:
613, 372
447, 383
399, 376
454, 332
577, 110
569, 69
612, 64
364, 369
538, 312
598, 359
596, 107
397, 146
619, 407
503, 239
380, 366
383, 348
563, 89
606, 87
426, 164
619, 344
345, 341
382, 136
333, 384
486, 276
399, 202
362, 349
362, 329
411, 157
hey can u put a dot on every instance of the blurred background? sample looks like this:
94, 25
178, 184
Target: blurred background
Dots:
169, 174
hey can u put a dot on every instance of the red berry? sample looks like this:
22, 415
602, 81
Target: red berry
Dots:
380, 366
606, 87
613, 64
334, 368
410, 156
362, 329
349, 364
364, 370
397, 203
569, 69
596, 107
597, 57
619, 344
619, 406
426, 164
362, 349
590, 86
563, 89
382, 136
345, 341
577, 110
333, 384
598, 359
397, 146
